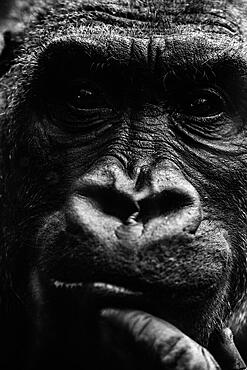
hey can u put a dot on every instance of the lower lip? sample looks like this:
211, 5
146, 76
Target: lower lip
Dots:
102, 294
112, 289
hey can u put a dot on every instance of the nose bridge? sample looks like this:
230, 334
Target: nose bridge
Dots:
140, 173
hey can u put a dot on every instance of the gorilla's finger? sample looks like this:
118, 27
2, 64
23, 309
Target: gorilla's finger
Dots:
161, 344
224, 350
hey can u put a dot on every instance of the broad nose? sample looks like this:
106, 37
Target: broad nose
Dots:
154, 195
171, 203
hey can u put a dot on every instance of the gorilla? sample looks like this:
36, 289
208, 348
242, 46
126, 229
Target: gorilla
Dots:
123, 184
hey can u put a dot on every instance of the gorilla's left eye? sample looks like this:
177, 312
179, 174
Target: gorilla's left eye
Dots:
86, 96
202, 103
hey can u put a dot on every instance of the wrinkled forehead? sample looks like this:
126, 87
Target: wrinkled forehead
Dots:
219, 15
174, 6
169, 13
167, 6
164, 24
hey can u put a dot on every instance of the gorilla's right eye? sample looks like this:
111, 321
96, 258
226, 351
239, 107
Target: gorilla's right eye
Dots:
85, 96
80, 106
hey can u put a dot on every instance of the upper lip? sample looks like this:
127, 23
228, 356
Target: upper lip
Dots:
96, 286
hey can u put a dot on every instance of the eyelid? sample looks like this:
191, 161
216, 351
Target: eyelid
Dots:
208, 93
84, 96
223, 104
214, 90
210, 90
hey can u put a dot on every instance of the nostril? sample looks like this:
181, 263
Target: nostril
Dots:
165, 203
112, 202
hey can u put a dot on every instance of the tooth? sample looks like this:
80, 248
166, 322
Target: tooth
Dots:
58, 284
62, 284
101, 286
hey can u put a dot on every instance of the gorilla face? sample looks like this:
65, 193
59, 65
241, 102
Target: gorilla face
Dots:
124, 172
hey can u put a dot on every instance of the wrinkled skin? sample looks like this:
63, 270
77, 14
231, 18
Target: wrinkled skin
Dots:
123, 184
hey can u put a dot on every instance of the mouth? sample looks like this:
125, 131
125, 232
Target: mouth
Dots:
99, 295
97, 288
70, 318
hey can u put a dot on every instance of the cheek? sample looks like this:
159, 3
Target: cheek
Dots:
191, 270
